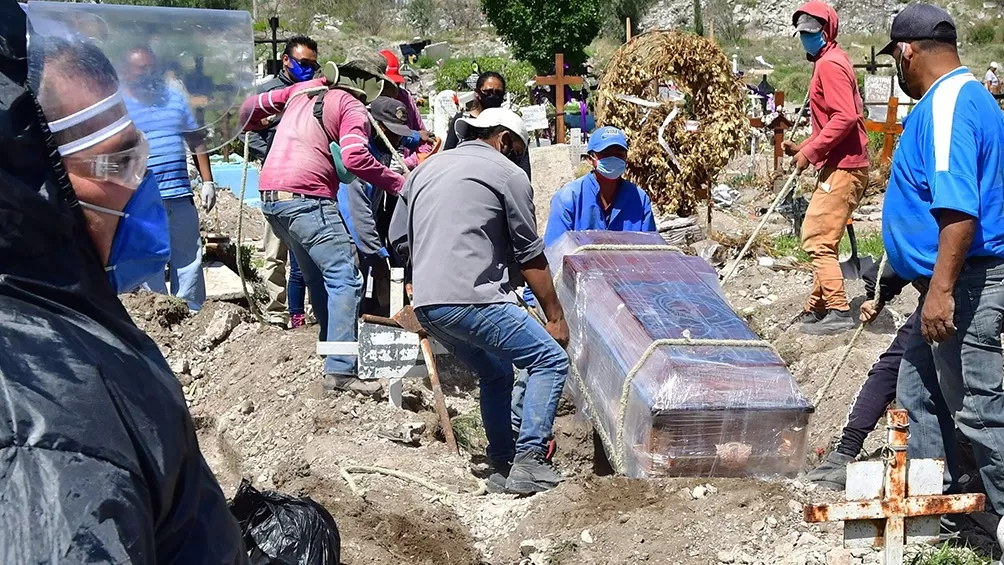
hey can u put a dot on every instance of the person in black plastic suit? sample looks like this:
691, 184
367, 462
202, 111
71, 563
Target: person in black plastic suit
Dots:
99, 461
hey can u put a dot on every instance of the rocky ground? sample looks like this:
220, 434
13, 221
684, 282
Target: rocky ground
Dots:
256, 398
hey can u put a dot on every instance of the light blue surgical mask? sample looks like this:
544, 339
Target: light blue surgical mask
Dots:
611, 167
813, 43
141, 247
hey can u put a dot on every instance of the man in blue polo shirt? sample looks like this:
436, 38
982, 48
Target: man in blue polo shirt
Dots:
162, 114
943, 228
602, 199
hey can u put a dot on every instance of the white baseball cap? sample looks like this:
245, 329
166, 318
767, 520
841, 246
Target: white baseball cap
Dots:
490, 118
993, 65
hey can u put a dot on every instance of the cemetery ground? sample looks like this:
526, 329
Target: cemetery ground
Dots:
260, 413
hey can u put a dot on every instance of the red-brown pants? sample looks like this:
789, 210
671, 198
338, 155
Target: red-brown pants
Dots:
835, 197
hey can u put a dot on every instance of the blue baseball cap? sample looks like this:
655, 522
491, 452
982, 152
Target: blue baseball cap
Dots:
604, 137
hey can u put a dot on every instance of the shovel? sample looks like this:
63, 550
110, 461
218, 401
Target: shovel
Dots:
853, 267
406, 320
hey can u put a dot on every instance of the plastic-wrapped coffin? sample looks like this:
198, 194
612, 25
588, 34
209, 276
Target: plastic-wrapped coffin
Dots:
675, 382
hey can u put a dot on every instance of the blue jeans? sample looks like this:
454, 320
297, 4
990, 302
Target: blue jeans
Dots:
491, 338
296, 289
958, 382
188, 281
316, 235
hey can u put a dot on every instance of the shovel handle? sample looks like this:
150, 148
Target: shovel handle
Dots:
437, 393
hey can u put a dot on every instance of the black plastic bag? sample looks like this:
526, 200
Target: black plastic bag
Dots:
279, 529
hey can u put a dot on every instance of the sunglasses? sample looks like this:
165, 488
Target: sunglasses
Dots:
491, 91
306, 63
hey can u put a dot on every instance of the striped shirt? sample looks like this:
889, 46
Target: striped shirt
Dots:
165, 122
950, 157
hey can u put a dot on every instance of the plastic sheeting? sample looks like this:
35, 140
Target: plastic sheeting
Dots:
729, 409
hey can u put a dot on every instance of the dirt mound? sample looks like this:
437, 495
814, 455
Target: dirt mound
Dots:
164, 311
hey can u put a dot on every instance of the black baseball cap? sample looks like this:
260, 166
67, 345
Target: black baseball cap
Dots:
392, 114
918, 22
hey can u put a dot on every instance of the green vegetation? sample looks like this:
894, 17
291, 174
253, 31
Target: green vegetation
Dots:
698, 18
536, 29
869, 244
616, 13
982, 33
516, 73
950, 555
876, 140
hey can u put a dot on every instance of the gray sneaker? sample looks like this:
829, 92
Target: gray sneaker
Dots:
835, 322
832, 472
807, 317
532, 473
345, 383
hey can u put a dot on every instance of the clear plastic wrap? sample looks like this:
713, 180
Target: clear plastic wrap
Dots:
725, 405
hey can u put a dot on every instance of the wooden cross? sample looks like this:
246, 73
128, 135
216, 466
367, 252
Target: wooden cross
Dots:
880, 511
890, 129
559, 81
780, 124
871, 66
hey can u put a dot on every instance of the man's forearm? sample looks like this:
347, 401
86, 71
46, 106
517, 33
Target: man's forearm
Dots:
538, 276
202, 163
956, 235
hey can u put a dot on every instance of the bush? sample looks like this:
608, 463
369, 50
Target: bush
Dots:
537, 29
423, 14
516, 73
982, 33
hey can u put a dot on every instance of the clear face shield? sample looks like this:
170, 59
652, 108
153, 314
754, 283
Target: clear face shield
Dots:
185, 70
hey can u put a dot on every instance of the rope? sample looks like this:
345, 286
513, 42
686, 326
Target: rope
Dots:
240, 231
346, 473
614, 247
854, 338
383, 137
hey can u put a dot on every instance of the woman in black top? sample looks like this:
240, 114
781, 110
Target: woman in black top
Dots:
489, 92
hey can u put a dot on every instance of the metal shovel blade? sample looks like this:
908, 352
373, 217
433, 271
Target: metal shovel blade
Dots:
852, 268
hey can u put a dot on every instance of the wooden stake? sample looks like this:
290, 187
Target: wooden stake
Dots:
627, 30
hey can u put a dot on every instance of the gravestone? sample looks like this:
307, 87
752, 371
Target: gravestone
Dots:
443, 109
878, 90
438, 51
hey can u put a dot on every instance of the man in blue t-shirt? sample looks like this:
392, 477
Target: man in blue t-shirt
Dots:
162, 114
943, 227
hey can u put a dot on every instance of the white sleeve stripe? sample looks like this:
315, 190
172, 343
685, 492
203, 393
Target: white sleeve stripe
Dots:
260, 106
943, 116
270, 103
352, 146
355, 135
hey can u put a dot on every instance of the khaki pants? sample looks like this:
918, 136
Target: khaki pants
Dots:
274, 274
837, 194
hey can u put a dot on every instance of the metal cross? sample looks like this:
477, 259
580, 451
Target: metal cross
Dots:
882, 508
872, 65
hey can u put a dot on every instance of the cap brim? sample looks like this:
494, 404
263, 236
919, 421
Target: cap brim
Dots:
808, 28
396, 78
397, 129
604, 145
889, 49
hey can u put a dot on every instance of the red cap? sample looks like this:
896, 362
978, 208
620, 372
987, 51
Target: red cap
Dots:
393, 66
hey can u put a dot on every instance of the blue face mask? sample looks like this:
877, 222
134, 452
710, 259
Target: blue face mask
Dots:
141, 247
611, 167
300, 72
813, 43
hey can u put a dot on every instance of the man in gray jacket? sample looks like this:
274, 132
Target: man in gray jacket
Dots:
462, 214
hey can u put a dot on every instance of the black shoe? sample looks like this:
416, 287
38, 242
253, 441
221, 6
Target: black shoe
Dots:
807, 317
346, 383
835, 322
532, 473
832, 472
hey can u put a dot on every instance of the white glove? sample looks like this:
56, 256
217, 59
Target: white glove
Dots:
208, 195
395, 166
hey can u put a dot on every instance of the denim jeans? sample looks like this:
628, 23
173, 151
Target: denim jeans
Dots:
957, 383
296, 289
491, 338
188, 281
316, 235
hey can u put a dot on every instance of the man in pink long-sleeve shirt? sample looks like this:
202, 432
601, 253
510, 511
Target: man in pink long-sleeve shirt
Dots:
299, 187
838, 148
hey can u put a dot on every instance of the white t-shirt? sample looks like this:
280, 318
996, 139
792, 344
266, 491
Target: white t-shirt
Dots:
991, 78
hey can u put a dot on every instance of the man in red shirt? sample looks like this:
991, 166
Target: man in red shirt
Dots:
838, 148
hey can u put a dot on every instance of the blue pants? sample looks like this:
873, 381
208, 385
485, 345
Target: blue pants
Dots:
491, 338
188, 281
296, 289
957, 383
316, 235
